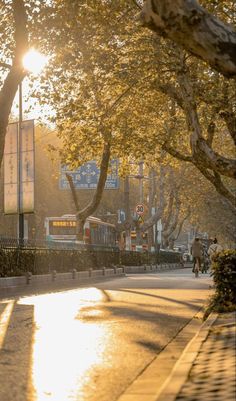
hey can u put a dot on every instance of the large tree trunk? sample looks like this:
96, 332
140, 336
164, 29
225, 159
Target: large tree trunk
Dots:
170, 225
196, 30
175, 235
202, 152
16, 72
207, 161
81, 215
149, 223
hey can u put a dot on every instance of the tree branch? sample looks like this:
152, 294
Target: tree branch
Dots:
16, 72
172, 224
171, 91
193, 28
210, 133
137, 4
21, 33
175, 153
153, 219
215, 179
201, 151
74, 194
92, 206
182, 223
230, 121
169, 211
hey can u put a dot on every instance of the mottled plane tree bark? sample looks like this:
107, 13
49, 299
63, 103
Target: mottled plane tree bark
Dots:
202, 155
196, 30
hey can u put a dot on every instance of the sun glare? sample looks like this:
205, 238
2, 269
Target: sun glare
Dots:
34, 62
65, 349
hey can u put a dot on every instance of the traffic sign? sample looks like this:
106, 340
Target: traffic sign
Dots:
139, 209
86, 176
140, 219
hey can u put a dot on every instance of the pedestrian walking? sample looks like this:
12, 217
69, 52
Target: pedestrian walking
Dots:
196, 252
214, 248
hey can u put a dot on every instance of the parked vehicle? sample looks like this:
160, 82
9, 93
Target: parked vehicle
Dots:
95, 231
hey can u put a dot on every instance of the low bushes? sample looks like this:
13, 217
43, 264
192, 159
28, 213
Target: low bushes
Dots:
224, 277
17, 261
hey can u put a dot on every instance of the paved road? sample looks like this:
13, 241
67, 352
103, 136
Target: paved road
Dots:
89, 344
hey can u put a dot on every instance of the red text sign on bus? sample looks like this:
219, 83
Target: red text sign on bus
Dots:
139, 209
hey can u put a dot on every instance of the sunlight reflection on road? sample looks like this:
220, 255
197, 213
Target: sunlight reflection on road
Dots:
65, 348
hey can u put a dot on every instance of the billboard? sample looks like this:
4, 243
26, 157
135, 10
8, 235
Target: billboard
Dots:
86, 176
11, 193
19, 168
27, 167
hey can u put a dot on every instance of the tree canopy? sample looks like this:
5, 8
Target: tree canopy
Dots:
118, 83
118, 90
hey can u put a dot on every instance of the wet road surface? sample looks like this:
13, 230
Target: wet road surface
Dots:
89, 344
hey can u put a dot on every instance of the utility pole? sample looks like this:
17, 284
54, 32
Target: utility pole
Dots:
20, 189
151, 194
127, 214
140, 177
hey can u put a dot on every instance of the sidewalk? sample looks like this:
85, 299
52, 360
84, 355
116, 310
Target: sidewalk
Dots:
205, 371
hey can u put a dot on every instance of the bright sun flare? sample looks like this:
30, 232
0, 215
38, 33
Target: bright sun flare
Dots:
34, 61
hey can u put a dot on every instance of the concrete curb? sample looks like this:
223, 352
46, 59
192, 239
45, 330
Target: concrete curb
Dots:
54, 282
9, 286
152, 268
173, 384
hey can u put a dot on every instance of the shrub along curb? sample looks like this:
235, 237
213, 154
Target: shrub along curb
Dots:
224, 278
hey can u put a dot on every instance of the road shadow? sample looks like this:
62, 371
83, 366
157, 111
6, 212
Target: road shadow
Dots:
194, 304
176, 301
16, 355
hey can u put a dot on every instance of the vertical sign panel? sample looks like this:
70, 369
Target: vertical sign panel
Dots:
11, 170
27, 167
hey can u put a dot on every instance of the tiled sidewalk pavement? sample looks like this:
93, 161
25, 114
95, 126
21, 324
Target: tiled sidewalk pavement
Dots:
212, 375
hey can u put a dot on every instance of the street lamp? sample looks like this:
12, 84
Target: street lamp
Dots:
33, 62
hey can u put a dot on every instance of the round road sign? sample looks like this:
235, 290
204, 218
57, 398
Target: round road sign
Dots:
139, 209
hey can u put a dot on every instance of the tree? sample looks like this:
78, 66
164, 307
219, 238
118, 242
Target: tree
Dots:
15, 46
208, 212
190, 200
82, 214
177, 103
108, 95
193, 28
85, 92
190, 99
175, 209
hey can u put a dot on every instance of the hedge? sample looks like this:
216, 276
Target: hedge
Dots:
17, 261
224, 277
